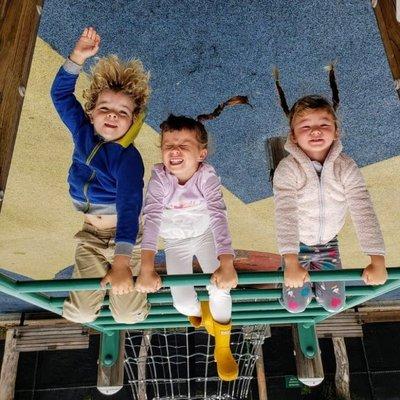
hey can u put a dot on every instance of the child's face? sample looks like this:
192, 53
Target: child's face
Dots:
182, 153
314, 132
112, 114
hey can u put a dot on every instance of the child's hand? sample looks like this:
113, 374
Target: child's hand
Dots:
295, 275
225, 277
148, 281
86, 46
119, 276
375, 273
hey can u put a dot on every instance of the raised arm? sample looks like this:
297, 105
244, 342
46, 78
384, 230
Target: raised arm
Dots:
62, 91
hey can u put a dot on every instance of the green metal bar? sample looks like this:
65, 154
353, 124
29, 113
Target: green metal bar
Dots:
246, 278
354, 294
374, 291
109, 347
161, 325
255, 316
308, 340
253, 294
253, 306
8, 286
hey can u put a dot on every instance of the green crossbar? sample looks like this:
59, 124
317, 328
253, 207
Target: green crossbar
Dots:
250, 306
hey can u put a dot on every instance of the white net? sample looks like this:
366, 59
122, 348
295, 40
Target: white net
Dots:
179, 363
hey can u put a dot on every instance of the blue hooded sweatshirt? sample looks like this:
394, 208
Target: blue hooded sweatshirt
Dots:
105, 177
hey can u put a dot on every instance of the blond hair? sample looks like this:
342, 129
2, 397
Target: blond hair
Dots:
129, 78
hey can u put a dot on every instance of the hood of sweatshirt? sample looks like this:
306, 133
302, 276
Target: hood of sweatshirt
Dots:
133, 131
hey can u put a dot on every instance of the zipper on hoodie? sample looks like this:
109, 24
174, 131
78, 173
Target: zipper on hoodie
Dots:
321, 202
91, 177
321, 206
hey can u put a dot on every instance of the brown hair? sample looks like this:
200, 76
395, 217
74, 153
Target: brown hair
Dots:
129, 78
310, 102
181, 122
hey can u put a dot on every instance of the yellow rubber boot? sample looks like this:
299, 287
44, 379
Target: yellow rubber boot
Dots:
227, 367
206, 318
195, 321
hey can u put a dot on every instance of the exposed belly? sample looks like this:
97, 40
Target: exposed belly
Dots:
101, 221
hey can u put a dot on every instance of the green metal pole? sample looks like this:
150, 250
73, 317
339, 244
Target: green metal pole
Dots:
247, 306
254, 316
372, 293
8, 286
247, 278
308, 340
161, 325
109, 347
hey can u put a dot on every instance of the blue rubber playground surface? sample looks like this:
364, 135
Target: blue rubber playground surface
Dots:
201, 53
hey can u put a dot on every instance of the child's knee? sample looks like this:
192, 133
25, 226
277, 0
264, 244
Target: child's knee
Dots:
188, 309
79, 315
219, 294
123, 316
129, 318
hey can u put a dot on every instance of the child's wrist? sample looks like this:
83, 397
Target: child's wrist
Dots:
120, 261
377, 259
147, 268
77, 59
291, 259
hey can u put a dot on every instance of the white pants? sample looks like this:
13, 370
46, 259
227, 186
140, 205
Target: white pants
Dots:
179, 258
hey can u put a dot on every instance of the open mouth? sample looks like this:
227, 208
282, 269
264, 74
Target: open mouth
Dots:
110, 125
176, 161
319, 140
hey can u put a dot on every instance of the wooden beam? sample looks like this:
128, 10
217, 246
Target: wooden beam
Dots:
19, 21
9, 367
342, 374
141, 365
50, 337
385, 12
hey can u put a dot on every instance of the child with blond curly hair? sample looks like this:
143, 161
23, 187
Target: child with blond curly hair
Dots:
105, 178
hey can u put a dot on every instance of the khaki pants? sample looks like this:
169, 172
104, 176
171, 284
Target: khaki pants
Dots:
93, 256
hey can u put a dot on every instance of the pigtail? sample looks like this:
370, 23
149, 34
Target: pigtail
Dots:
229, 103
332, 82
282, 98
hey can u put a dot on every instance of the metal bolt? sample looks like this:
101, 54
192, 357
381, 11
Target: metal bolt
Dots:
21, 90
39, 9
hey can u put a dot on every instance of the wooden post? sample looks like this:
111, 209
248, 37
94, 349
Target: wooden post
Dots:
275, 150
19, 22
261, 378
144, 349
9, 367
111, 379
342, 375
309, 370
389, 26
